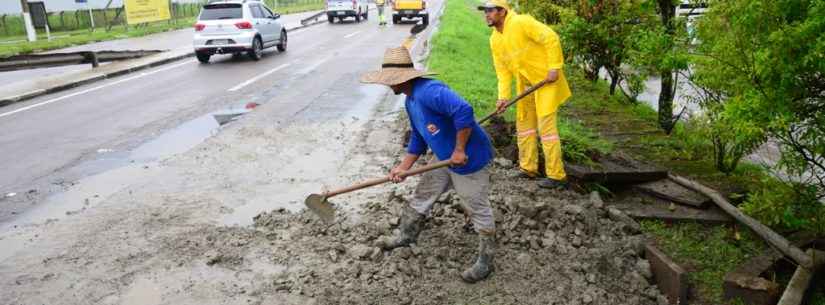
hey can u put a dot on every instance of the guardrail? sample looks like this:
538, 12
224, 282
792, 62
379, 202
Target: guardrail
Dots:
313, 17
23, 62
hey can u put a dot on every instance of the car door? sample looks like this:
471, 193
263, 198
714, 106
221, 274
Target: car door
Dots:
274, 24
260, 22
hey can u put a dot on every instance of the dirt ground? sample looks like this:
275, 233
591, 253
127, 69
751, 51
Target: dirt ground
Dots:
224, 224
185, 233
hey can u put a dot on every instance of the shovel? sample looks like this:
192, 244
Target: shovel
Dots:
318, 204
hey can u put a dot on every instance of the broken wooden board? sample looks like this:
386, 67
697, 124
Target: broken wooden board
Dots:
801, 279
670, 277
672, 191
615, 170
655, 208
746, 283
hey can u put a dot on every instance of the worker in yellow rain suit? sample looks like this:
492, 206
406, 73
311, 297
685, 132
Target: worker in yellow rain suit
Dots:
379, 5
530, 51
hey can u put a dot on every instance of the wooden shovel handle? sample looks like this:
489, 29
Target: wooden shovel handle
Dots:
431, 166
378, 181
515, 100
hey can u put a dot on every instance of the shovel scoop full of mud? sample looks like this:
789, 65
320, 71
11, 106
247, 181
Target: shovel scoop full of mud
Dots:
318, 204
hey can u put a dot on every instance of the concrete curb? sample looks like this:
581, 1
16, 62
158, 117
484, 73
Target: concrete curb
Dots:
17, 98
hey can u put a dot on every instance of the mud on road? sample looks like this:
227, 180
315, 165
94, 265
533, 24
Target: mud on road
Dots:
192, 232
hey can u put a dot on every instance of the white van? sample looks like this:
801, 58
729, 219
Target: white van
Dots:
341, 9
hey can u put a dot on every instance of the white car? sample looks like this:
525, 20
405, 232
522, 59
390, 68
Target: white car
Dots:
347, 8
235, 27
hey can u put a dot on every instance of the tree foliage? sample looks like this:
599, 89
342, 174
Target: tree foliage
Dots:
767, 58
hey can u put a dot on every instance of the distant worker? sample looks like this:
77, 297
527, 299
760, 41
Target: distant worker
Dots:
379, 5
530, 51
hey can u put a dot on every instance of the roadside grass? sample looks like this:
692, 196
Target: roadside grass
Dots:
594, 121
708, 253
17, 45
461, 56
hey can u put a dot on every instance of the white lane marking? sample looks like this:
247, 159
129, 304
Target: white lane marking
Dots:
353, 34
257, 78
142, 74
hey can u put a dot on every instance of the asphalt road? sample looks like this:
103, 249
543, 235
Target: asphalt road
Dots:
44, 140
161, 41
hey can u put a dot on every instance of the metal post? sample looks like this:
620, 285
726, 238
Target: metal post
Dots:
91, 16
5, 26
31, 34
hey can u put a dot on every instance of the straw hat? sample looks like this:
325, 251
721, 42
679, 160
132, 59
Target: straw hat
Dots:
397, 68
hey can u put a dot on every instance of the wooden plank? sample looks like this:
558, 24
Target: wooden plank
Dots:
763, 231
658, 209
671, 191
670, 277
746, 283
795, 291
751, 290
615, 169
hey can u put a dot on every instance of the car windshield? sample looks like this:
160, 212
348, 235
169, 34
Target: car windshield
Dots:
221, 11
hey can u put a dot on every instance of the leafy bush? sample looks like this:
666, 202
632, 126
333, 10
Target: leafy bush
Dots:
786, 206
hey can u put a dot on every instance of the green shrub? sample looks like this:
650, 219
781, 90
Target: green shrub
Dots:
786, 206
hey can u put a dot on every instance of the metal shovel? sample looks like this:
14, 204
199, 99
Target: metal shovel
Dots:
318, 204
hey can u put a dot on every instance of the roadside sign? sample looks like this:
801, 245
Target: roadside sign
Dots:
80, 1
142, 11
38, 13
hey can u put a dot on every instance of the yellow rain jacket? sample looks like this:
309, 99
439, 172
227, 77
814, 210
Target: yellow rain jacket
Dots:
529, 49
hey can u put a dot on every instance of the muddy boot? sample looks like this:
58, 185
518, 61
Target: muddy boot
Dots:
484, 264
409, 227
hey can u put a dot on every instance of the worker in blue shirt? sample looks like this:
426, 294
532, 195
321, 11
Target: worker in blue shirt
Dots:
444, 122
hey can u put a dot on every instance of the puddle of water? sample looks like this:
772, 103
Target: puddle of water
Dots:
114, 170
177, 140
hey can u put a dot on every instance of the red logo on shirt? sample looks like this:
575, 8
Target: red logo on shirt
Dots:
432, 129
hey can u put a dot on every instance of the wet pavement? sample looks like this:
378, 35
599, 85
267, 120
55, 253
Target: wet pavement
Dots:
172, 40
144, 118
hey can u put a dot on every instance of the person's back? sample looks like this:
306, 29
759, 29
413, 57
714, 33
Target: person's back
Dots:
436, 114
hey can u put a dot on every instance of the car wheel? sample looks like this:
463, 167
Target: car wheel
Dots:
282, 46
426, 19
257, 49
395, 19
203, 57
330, 19
367, 15
358, 16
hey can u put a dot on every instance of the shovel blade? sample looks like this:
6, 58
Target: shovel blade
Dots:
319, 205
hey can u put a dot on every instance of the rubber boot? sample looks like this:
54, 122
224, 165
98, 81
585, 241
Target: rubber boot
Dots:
409, 228
484, 263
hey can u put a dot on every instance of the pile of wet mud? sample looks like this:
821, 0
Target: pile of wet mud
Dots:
554, 247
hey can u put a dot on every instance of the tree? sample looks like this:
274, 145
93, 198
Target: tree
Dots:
767, 57
599, 36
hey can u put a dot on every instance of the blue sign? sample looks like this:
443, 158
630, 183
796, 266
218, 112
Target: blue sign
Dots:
80, 1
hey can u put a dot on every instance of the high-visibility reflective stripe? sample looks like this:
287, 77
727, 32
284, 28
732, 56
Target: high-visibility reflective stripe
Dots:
550, 137
527, 133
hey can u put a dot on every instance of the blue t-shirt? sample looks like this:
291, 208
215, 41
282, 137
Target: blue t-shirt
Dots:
436, 113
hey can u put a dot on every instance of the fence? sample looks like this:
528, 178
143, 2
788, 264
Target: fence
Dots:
12, 25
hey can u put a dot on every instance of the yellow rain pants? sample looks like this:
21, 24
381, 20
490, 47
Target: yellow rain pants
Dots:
530, 128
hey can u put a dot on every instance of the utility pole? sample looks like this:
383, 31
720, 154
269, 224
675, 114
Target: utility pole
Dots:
27, 19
